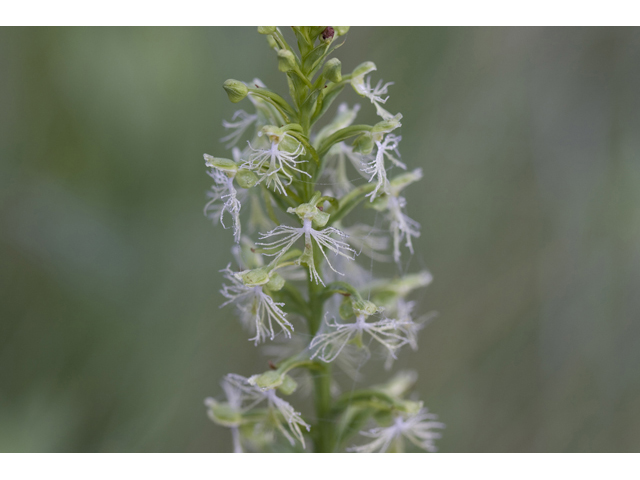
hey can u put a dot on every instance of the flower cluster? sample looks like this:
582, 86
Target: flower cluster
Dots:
290, 192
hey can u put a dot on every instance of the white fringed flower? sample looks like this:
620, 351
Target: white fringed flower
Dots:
258, 310
224, 196
279, 409
287, 236
363, 87
418, 429
276, 161
376, 167
329, 345
239, 123
402, 227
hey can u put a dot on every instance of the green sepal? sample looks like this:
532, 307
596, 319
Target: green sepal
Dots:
224, 414
276, 282
363, 144
256, 277
246, 178
223, 164
288, 385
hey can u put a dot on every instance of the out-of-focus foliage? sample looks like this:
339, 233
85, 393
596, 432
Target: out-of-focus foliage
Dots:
110, 332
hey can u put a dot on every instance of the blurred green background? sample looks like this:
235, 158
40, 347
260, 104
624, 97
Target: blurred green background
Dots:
110, 332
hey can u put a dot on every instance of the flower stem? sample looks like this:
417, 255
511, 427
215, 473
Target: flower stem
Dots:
322, 379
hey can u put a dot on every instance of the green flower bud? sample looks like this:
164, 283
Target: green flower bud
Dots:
289, 385
223, 164
267, 380
276, 282
266, 30
340, 31
246, 178
286, 60
363, 144
236, 90
272, 41
255, 277
332, 70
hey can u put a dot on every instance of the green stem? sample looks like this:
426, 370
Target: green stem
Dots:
324, 425
322, 378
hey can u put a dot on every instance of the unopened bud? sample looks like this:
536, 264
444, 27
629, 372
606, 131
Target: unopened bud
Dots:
340, 31
327, 34
272, 41
332, 70
266, 30
236, 90
286, 60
